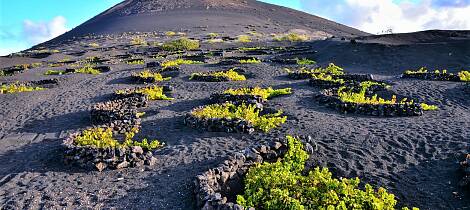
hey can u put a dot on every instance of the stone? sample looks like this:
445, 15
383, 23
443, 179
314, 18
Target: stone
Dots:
100, 166
277, 145
309, 149
123, 164
137, 150
151, 161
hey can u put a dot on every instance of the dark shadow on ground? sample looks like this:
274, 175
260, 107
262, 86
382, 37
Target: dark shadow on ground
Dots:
432, 184
69, 121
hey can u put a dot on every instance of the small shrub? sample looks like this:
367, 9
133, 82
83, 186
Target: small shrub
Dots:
213, 35
244, 112
305, 61
327, 77
148, 74
248, 48
170, 33
177, 62
181, 44
153, 92
231, 75
419, 71
103, 138
464, 76
136, 62
36, 65
281, 185
293, 37
361, 98
331, 69
95, 45
427, 107
17, 88
88, 69
54, 72
138, 41
250, 61
266, 93
244, 39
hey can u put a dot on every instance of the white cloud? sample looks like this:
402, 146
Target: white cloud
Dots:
375, 16
37, 32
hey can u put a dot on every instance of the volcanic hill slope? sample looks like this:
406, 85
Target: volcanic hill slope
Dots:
415, 158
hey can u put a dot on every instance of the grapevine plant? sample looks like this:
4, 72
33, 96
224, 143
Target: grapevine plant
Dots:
327, 77
177, 62
146, 74
265, 93
245, 112
305, 61
103, 138
351, 96
331, 69
250, 61
231, 75
87, 69
181, 44
153, 92
464, 76
17, 88
136, 62
282, 185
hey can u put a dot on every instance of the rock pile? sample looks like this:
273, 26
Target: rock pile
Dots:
121, 115
238, 99
324, 83
219, 124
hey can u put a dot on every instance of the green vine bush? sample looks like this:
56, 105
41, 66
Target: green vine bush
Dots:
173, 63
292, 37
306, 73
423, 73
181, 44
153, 92
136, 62
305, 61
103, 138
464, 76
361, 100
264, 93
244, 38
242, 114
325, 80
148, 76
219, 76
55, 72
250, 61
17, 88
282, 185
88, 69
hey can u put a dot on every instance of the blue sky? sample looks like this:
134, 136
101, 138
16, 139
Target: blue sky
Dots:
24, 23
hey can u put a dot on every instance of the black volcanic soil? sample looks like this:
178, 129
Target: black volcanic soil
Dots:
414, 157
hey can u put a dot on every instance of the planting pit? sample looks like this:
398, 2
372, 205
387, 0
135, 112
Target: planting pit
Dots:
101, 158
329, 98
218, 187
121, 115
